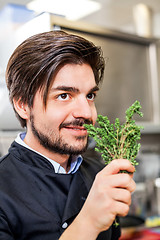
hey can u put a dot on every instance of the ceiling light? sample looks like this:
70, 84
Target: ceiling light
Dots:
71, 9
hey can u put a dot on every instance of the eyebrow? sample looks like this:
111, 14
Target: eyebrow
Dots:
65, 88
94, 89
73, 89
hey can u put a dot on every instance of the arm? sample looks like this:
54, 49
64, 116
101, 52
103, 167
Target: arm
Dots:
109, 196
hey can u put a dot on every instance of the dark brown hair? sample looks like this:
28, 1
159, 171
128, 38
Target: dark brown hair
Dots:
35, 62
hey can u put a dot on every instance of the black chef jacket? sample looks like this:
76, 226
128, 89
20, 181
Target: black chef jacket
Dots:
38, 204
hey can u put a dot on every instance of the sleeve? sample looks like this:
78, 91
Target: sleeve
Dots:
5, 231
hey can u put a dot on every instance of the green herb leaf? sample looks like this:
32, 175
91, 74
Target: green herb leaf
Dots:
115, 141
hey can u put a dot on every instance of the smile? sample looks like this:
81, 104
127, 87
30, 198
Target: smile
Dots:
77, 129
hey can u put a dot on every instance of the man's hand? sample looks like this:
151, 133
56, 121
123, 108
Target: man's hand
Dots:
109, 196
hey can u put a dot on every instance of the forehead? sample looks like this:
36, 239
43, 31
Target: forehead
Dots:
76, 75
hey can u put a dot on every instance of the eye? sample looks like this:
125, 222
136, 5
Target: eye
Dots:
91, 96
63, 96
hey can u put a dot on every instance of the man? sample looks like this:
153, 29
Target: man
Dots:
47, 190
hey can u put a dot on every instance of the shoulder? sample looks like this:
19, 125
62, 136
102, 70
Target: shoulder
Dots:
7, 158
3, 159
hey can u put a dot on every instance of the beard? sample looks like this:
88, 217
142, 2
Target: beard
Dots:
57, 144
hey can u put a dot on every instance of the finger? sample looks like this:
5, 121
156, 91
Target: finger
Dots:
122, 195
123, 180
120, 208
118, 165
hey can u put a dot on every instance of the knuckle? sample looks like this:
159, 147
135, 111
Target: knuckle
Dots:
125, 210
128, 181
132, 185
128, 197
98, 177
115, 164
127, 178
98, 183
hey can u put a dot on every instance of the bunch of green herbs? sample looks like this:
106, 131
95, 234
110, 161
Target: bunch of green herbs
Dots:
115, 140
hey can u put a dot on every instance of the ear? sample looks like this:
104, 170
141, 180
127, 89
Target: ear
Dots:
22, 109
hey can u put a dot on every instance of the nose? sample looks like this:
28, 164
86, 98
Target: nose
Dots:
82, 109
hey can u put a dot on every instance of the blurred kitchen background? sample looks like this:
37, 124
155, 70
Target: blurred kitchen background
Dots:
129, 33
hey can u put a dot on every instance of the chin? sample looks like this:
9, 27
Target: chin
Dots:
80, 150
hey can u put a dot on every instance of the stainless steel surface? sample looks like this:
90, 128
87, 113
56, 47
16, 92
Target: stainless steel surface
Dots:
143, 19
158, 66
131, 70
155, 79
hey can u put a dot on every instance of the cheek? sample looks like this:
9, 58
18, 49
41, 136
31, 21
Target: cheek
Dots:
55, 118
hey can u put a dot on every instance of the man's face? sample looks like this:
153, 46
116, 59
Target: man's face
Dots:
70, 104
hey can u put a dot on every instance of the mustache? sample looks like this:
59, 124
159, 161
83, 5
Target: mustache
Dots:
77, 122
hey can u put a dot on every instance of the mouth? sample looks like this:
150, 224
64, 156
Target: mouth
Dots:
80, 130
76, 127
